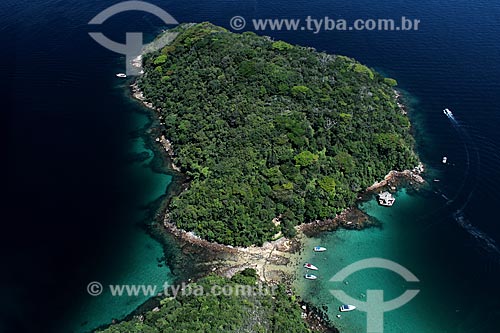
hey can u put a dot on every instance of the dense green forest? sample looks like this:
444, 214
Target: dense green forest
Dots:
274, 312
263, 129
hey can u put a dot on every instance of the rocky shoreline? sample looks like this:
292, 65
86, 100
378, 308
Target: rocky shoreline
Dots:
400, 102
394, 178
277, 261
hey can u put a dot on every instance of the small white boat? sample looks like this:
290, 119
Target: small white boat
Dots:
448, 113
445, 159
121, 75
310, 277
319, 249
310, 266
346, 308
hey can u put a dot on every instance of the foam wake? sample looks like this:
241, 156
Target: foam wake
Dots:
469, 144
485, 241
482, 239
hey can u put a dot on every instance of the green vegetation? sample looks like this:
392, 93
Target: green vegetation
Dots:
358, 68
281, 45
161, 59
391, 82
265, 129
272, 312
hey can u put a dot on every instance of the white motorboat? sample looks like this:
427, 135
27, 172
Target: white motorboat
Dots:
448, 113
310, 266
445, 159
346, 308
319, 249
122, 75
310, 277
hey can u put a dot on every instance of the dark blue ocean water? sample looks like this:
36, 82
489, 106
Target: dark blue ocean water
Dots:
69, 127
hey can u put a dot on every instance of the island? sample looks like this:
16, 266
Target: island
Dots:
269, 137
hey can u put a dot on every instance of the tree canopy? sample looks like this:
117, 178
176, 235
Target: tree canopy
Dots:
272, 311
264, 129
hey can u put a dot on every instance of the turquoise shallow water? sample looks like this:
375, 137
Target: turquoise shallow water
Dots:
137, 257
405, 237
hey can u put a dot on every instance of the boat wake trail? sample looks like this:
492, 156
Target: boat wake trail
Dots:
450, 115
483, 240
469, 145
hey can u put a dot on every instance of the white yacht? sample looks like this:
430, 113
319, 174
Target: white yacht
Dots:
319, 249
121, 75
310, 277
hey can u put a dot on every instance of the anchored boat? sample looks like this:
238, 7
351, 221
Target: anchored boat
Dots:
319, 249
310, 277
121, 75
346, 308
310, 266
